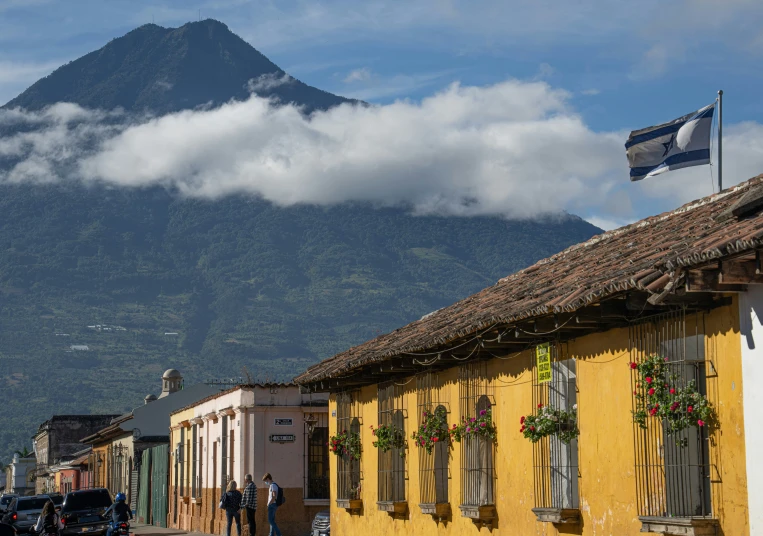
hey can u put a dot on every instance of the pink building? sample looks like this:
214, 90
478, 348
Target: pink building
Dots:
249, 429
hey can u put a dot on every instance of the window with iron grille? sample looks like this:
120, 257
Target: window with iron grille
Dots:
317, 459
555, 462
477, 452
224, 454
181, 461
434, 474
672, 471
391, 463
231, 457
187, 460
348, 469
194, 458
199, 479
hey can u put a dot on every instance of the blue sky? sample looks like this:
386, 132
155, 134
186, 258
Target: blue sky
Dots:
624, 65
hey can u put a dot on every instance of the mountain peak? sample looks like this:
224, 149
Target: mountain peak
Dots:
162, 70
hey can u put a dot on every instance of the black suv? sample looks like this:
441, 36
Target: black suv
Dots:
82, 512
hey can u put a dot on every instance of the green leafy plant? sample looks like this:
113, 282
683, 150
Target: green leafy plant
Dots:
551, 421
658, 394
432, 430
480, 426
389, 436
345, 443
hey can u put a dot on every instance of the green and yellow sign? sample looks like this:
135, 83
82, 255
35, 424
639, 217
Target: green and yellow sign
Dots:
543, 359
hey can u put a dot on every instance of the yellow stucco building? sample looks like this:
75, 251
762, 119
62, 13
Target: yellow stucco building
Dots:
598, 392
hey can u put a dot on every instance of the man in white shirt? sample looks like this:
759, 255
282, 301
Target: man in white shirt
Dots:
273, 493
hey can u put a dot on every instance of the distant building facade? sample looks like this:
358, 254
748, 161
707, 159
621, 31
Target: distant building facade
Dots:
249, 429
58, 440
117, 449
20, 475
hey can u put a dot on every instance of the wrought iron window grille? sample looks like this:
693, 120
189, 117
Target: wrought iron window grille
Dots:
434, 467
349, 477
316, 470
477, 393
673, 472
555, 463
391, 464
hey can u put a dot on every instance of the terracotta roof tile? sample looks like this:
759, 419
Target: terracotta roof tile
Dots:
643, 255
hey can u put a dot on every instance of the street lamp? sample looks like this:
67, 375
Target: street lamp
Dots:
310, 422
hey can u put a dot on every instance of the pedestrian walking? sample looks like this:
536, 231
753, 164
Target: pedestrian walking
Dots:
275, 499
249, 501
231, 503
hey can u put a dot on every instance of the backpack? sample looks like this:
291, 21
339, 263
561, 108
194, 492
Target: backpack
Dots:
280, 499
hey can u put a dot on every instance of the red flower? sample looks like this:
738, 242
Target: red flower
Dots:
540, 406
522, 429
334, 449
672, 391
633, 365
701, 422
651, 391
532, 428
635, 393
522, 419
435, 439
648, 379
689, 409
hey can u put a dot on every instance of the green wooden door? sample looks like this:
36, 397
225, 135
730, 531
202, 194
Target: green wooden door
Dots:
144, 489
159, 483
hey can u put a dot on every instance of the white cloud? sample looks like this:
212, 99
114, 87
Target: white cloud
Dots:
379, 87
268, 81
358, 75
514, 148
590, 92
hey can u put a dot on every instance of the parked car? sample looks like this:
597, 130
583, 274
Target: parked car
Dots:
5, 501
82, 512
23, 512
322, 523
58, 500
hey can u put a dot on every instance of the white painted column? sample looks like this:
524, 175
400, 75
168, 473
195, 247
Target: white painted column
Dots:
751, 324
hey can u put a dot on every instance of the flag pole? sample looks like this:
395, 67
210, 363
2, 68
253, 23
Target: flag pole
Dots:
720, 140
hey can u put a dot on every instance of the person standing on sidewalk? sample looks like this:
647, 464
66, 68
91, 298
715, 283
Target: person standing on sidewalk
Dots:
249, 501
231, 503
275, 499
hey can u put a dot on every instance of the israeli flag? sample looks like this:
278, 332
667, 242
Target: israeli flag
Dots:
681, 143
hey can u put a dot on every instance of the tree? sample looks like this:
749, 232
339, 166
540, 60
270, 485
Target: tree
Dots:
23, 453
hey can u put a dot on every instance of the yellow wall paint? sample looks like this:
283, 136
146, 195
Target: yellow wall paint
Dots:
606, 453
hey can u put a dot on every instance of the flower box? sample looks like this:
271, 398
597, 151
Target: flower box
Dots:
685, 526
557, 515
439, 510
351, 505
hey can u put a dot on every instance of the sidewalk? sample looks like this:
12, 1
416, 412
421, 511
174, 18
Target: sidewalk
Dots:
150, 530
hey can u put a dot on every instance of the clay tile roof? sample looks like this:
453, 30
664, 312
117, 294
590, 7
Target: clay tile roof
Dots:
644, 255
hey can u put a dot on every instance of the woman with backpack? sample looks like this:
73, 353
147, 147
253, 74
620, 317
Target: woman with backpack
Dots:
275, 499
48, 523
231, 503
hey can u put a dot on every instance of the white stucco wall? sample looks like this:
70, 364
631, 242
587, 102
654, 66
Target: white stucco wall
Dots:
751, 323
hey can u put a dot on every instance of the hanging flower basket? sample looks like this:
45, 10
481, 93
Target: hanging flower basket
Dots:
345, 443
550, 421
659, 394
433, 430
480, 426
389, 436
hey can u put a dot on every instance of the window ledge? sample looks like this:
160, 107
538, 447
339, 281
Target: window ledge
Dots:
317, 502
684, 526
557, 515
392, 507
479, 514
438, 510
352, 505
